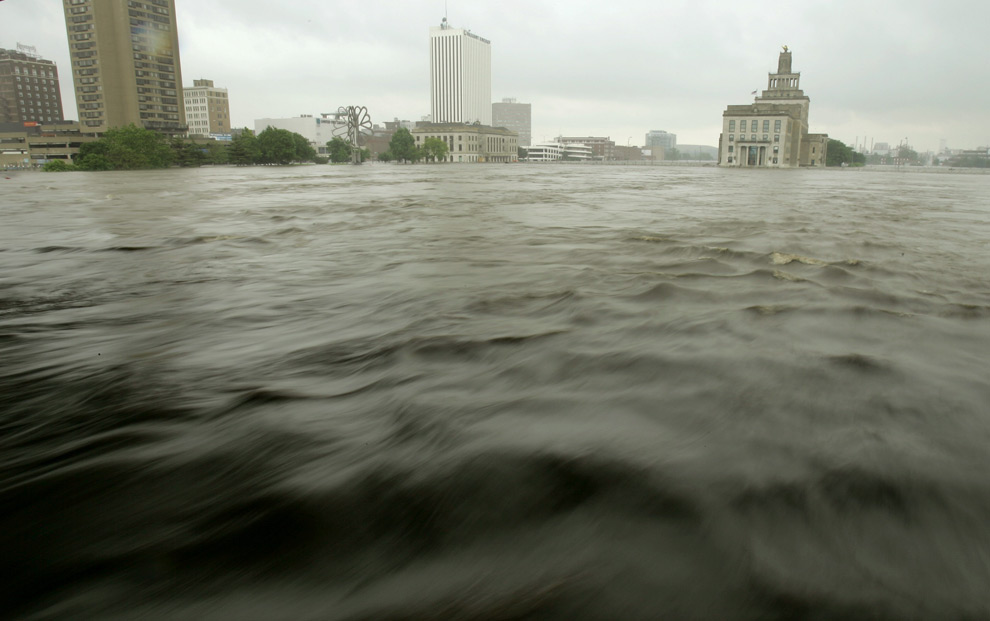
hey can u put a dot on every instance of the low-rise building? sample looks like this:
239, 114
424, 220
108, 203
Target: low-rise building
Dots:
30, 144
471, 142
558, 152
602, 148
772, 132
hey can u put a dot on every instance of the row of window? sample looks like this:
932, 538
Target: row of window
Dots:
33, 71
766, 137
755, 125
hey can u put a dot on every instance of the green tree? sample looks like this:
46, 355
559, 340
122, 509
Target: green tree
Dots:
838, 153
187, 153
907, 155
277, 146
435, 149
57, 166
304, 151
403, 146
127, 148
217, 153
244, 149
385, 156
340, 150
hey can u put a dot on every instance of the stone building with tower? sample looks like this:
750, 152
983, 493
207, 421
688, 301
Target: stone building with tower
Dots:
772, 132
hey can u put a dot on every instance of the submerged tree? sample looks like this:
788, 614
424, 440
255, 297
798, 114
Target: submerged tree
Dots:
339, 150
403, 146
126, 148
435, 149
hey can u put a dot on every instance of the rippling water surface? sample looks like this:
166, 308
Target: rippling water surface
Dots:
494, 392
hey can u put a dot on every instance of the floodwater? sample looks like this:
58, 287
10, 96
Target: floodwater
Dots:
494, 392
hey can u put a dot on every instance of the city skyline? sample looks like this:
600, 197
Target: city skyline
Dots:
888, 72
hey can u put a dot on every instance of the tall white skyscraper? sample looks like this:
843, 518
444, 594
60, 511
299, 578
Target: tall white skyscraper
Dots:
460, 76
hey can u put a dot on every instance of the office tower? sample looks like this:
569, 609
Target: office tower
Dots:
29, 90
207, 108
515, 116
125, 63
660, 138
460, 76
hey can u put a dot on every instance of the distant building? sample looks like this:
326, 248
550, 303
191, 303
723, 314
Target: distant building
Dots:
29, 89
697, 152
514, 116
207, 108
625, 154
471, 143
602, 148
460, 76
660, 138
557, 151
125, 64
318, 130
773, 130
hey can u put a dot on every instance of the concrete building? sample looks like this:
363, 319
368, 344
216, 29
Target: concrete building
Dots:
207, 109
772, 132
471, 143
125, 64
557, 152
602, 148
660, 138
460, 76
514, 116
318, 130
30, 144
29, 89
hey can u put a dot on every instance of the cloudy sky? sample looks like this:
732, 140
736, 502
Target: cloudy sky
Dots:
883, 70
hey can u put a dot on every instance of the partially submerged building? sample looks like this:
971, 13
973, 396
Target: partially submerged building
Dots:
472, 142
772, 132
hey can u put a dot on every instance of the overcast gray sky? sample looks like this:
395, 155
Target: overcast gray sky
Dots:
882, 69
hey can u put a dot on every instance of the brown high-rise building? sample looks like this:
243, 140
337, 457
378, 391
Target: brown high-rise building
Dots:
29, 89
125, 64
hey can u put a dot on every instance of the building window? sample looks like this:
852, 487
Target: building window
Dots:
753, 137
731, 137
766, 137
766, 126
731, 148
776, 149
774, 160
730, 160
776, 126
776, 137
755, 125
732, 126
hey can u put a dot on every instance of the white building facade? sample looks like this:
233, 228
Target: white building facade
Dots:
556, 151
318, 130
460, 76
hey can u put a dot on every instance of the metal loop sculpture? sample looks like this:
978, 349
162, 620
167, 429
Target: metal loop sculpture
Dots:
353, 120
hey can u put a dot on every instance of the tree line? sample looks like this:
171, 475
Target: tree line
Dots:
135, 148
